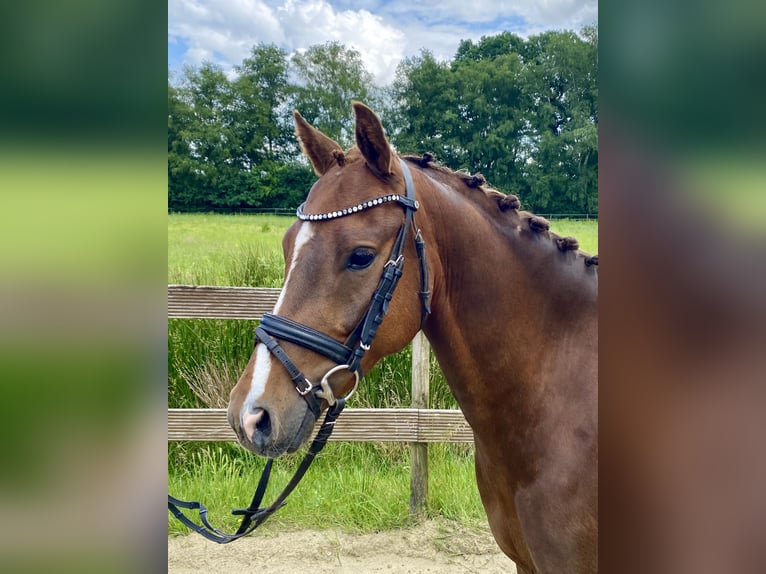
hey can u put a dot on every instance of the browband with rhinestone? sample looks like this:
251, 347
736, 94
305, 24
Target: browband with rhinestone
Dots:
407, 202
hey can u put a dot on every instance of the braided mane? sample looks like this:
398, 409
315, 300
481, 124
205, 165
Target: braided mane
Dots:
505, 203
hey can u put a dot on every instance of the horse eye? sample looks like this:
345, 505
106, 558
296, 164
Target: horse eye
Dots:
361, 258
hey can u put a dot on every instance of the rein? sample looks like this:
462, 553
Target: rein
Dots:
346, 355
253, 516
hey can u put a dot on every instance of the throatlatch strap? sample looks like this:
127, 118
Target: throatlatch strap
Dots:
425, 292
420, 244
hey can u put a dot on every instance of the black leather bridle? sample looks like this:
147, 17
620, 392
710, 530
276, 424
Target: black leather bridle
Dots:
346, 355
349, 355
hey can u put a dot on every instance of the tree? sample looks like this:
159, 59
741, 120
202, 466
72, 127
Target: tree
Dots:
260, 107
262, 136
329, 76
203, 172
489, 48
522, 112
468, 111
562, 95
492, 114
181, 176
424, 93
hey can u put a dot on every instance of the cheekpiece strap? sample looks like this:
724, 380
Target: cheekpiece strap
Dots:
302, 385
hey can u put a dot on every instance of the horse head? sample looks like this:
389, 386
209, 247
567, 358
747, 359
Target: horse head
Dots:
352, 235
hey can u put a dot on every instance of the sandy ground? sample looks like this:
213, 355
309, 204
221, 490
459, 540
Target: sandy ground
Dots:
439, 547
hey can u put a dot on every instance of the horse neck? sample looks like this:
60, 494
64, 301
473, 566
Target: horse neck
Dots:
505, 300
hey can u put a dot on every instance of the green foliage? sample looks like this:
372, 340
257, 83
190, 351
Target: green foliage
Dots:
523, 112
329, 77
230, 143
264, 134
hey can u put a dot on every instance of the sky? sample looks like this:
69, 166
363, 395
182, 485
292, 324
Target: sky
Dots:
382, 31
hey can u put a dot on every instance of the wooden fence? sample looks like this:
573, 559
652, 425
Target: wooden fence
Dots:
418, 425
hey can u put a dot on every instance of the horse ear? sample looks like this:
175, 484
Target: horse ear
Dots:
371, 140
320, 149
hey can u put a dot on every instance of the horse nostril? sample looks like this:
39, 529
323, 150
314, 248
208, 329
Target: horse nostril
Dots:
264, 424
257, 422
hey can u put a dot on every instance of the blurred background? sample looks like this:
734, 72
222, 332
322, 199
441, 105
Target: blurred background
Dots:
82, 286
682, 199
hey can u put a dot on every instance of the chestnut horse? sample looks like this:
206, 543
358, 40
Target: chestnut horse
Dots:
509, 307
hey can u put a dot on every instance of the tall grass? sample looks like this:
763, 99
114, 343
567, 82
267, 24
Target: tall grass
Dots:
202, 350
586, 232
215, 249
361, 487
357, 486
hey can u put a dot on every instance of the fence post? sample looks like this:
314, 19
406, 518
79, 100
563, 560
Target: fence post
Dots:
421, 351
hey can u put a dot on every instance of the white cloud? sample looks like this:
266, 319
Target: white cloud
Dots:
224, 31
309, 22
227, 28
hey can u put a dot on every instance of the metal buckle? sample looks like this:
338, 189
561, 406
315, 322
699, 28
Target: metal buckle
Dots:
395, 262
308, 389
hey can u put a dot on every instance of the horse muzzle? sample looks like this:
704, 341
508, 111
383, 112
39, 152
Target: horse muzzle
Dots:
264, 432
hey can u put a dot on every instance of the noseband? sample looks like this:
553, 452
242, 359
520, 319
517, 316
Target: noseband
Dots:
347, 356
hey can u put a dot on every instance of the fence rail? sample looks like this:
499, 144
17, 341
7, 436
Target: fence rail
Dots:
356, 425
418, 425
204, 302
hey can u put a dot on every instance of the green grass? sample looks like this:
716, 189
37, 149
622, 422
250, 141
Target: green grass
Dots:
360, 487
215, 249
225, 345
246, 250
586, 232
355, 486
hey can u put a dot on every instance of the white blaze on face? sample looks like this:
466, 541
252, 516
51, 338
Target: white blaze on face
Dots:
262, 365
305, 233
